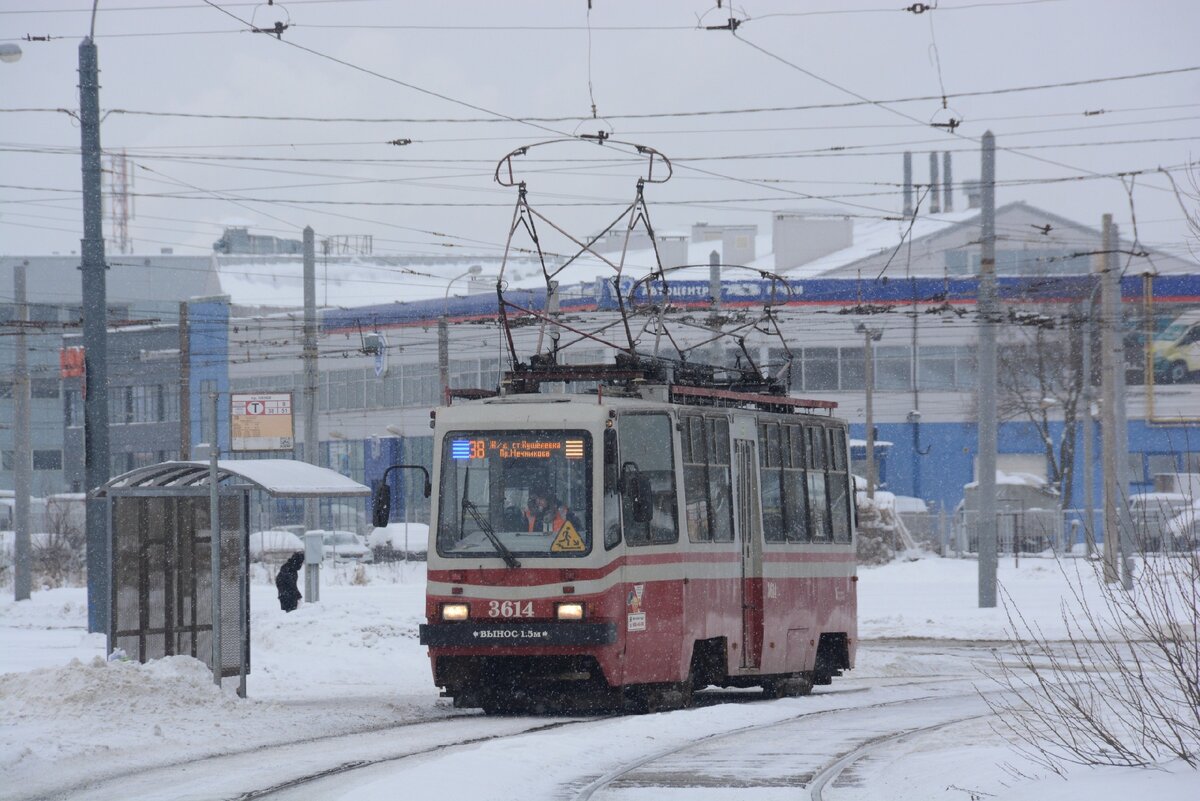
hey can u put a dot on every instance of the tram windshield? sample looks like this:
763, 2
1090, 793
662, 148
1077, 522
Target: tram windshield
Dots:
515, 493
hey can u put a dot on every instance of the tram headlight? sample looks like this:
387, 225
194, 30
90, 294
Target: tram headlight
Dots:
455, 612
571, 611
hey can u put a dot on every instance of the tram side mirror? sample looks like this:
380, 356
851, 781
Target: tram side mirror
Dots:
637, 489
611, 468
381, 505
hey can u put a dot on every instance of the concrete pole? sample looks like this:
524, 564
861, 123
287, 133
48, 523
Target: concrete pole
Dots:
22, 449
869, 359
935, 186
908, 186
1089, 434
989, 314
312, 446
97, 465
214, 525
717, 350
185, 381
1120, 421
947, 184
1108, 401
443, 331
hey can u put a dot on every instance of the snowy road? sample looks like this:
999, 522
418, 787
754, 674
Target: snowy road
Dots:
731, 744
737, 749
341, 706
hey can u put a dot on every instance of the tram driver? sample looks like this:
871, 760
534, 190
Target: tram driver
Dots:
545, 513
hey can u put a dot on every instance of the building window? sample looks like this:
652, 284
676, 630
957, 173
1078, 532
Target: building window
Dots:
143, 404
73, 408
893, 368
44, 388
120, 405
47, 460
820, 368
168, 408
853, 369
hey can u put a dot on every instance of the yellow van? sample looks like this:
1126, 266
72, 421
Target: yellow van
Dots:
1177, 349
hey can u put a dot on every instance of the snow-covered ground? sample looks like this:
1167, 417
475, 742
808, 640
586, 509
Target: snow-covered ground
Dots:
352, 663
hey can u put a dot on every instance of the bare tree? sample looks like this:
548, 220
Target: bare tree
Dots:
1123, 688
1188, 199
1039, 378
59, 551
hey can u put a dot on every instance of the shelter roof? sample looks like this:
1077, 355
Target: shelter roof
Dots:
280, 478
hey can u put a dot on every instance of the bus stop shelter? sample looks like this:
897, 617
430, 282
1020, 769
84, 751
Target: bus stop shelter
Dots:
160, 541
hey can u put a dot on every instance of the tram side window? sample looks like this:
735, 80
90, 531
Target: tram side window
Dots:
839, 491
706, 479
795, 504
784, 489
818, 501
771, 478
647, 455
720, 478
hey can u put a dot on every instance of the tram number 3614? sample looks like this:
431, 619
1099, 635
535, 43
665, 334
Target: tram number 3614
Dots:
510, 609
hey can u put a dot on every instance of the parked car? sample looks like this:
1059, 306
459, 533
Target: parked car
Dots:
345, 546
1151, 512
1183, 531
393, 544
273, 545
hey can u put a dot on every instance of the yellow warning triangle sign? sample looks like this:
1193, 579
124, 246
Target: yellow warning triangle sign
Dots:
568, 539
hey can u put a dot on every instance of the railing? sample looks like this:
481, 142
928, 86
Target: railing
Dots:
1048, 532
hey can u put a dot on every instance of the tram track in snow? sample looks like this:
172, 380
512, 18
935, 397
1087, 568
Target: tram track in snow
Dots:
641, 773
204, 776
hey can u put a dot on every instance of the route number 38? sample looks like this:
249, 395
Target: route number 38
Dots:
510, 609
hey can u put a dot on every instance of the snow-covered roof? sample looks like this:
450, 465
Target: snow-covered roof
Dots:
1014, 480
282, 478
872, 237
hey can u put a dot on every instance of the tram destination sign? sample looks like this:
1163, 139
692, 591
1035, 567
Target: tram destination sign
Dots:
262, 421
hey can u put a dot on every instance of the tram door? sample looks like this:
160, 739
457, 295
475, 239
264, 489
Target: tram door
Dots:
750, 528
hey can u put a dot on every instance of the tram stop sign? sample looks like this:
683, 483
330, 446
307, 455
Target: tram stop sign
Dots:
261, 421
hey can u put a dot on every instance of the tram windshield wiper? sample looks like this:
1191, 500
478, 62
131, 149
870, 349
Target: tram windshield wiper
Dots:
487, 529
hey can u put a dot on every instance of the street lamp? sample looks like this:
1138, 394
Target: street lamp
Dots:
444, 332
22, 456
870, 337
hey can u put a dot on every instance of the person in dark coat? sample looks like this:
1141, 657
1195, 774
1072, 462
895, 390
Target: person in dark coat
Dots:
286, 582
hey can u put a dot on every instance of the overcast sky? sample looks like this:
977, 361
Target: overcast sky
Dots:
521, 59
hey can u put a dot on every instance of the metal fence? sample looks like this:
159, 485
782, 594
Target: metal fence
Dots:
1050, 532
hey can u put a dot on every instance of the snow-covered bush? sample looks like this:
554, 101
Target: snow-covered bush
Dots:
1124, 688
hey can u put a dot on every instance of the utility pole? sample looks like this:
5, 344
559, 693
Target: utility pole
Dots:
185, 380
214, 532
870, 337
312, 446
1124, 520
908, 186
1117, 531
1108, 404
22, 450
935, 186
444, 331
443, 334
988, 313
716, 352
95, 339
1089, 435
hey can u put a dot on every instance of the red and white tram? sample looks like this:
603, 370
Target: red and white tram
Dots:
626, 547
